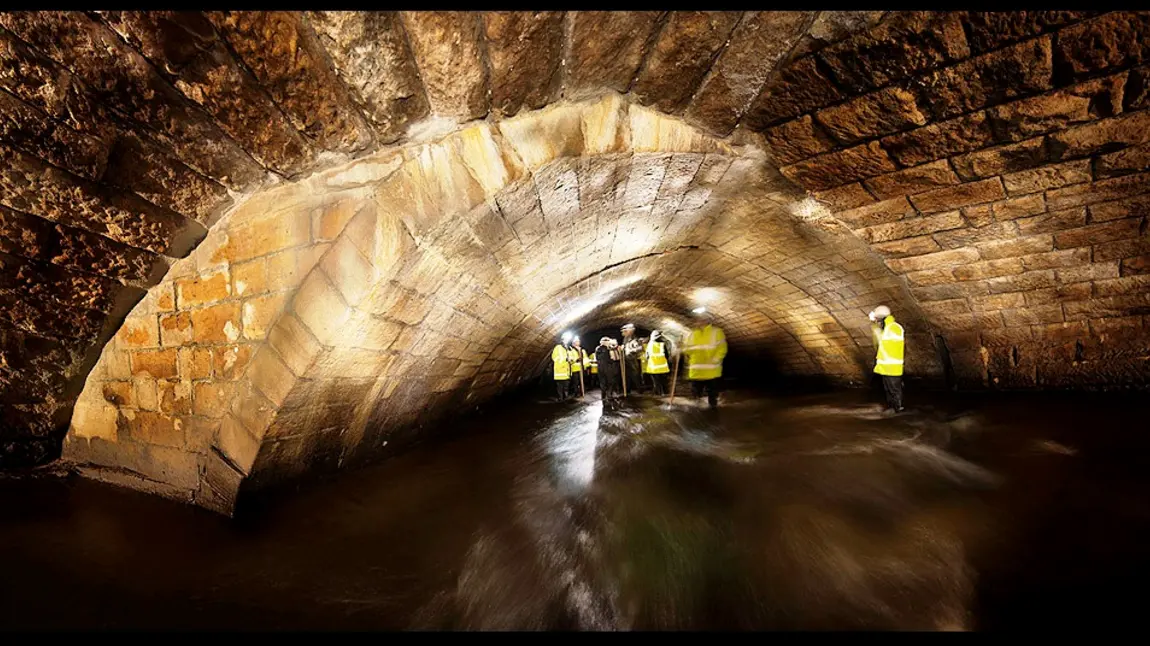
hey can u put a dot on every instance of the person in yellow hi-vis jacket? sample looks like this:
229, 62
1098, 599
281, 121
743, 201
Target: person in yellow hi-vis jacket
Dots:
888, 338
577, 357
656, 363
562, 363
705, 349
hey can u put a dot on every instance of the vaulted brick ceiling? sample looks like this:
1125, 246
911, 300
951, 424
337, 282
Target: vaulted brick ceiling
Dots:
984, 173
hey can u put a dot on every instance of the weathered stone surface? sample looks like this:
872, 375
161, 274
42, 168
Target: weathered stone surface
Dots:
903, 44
524, 49
989, 79
940, 140
446, 45
1128, 208
1099, 191
832, 169
877, 213
1001, 159
1098, 233
1110, 41
71, 289
124, 81
1123, 162
800, 87
293, 69
797, 140
1137, 95
1053, 221
29, 129
1046, 113
845, 197
28, 184
912, 180
964, 236
682, 53
42, 316
185, 49
953, 197
987, 30
939, 260
830, 27
1100, 136
369, 52
606, 49
912, 227
909, 247
1019, 207
1047, 177
889, 110
758, 44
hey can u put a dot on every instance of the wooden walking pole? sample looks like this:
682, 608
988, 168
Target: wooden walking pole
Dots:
623, 368
582, 368
674, 375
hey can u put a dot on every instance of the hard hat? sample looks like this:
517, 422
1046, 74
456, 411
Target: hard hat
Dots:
566, 338
879, 313
605, 341
656, 334
628, 326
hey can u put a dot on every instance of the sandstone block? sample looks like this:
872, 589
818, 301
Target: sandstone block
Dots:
202, 290
902, 45
1037, 315
999, 302
1057, 259
1121, 286
145, 392
1024, 282
756, 47
295, 345
912, 180
1019, 207
1136, 265
878, 213
1098, 233
967, 236
1138, 89
980, 215
1121, 249
797, 140
1099, 191
1100, 136
1059, 110
988, 269
907, 247
267, 236
175, 329
216, 324
1123, 162
939, 260
321, 309
157, 364
139, 332
840, 167
234, 441
606, 48
119, 393
259, 313
680, 57
889, 110
1110, 41
938, 140
954, 197
249, 278
271, 375
447, 46
1021, 246
1047, 177
156, 428
849, 196
799, 88
1061, 294
912, 227
175, 397
987, 30
1053, 221
195, 363
212, 399
230, 361
1001, 159
989, 79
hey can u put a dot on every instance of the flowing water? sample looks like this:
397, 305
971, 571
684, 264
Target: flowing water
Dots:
800, 512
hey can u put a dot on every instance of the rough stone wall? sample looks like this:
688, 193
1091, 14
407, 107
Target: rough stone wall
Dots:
998, 162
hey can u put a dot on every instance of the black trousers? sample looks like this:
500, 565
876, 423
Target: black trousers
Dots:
893, 388
660, 383
634, 376
711, 387
562, 388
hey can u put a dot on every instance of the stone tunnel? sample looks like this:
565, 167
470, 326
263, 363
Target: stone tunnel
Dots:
241, 247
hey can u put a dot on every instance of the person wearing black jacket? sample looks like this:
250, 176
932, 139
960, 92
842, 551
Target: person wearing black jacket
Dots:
607, 356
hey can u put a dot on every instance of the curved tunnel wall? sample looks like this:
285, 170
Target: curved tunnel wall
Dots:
985, 173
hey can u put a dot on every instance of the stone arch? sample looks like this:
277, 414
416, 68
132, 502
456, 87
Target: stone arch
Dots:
385, 292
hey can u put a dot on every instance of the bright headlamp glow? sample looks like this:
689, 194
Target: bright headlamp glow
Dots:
809, 209
699, 310
706, 295
567, 337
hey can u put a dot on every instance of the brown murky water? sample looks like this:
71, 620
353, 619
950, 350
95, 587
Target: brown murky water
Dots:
802, 512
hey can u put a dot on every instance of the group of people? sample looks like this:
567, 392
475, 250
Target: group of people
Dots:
640, 364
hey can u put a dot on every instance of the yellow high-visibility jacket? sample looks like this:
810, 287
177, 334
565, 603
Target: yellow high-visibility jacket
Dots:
573, 358
889, 339
657, 358
562, 364
705, 349
593, 363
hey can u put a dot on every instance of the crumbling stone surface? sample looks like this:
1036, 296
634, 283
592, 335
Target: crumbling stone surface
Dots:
606, 49
447, 50
682, 53
525, 51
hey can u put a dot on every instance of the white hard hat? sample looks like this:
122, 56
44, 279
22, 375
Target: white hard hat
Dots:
628, 326
880, 312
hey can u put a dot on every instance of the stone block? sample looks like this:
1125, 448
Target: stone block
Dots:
321, 309
904, 44
524, 52
1037, 315
259, 313
1001, 159
1098, 233
980, 215
195, 363
175, 396
1053, 221
175, 329
1121, 249
1019, 207
139, 332
757, 45
146, 394
955, 197
907, 247
234, 441
988, 269
1123, 162
349, 271
912, 180
797, 140
1016, 247
1129, 284
840, 167
447, 48
1024, 282
939, 140
119, 393
846, 197
988, 79
157, 364
230, 361
1137, 94
271, 376
1136, 265
999, 302
1114, 40
944, 308
1047, 177
939, 260
606, 49
295, 345
1046, 113
912, 227
249, 278
217, 324
1099, 191
878, 213
266, 236
1104, 136
799, 88
683, 51
253, 410
154, 428
987, 30
1060, 294
889, 110
1057, 259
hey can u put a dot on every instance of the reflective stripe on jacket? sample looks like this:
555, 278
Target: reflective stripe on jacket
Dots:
888, 360
656, 358
562, 364
573, 359
705, 349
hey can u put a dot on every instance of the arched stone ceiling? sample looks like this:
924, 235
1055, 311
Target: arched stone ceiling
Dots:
982, 173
